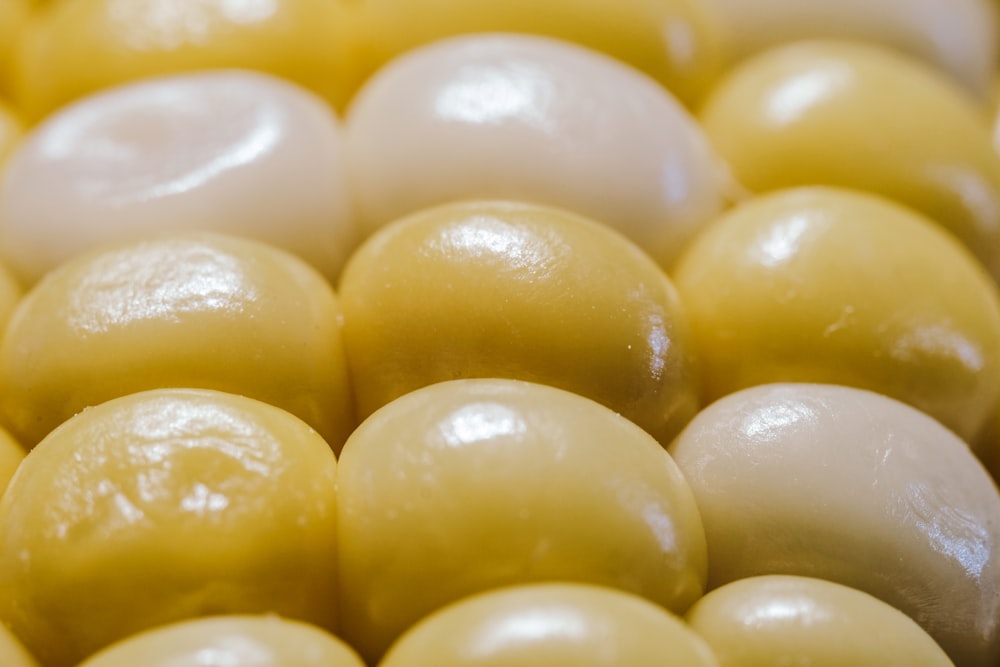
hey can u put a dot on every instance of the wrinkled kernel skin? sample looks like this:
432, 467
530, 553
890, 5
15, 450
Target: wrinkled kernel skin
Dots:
260, 641
857, 116
197, 310
828, 285
677, 42
465, 486
551, 625
851, 486
787, 620
501, 289
161, 506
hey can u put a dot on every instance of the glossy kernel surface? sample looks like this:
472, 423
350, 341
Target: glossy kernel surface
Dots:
533, 119
502, 289
228, 151
529, 482
851, 486
551, 625
829, 285
860, 116
162, 506
237, 641
788, 620
71, 49
198, 310
957, 37
677, 42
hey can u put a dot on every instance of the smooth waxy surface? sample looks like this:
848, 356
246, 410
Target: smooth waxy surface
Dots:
527, 482
195, 310
857, 116
74, 48
495, 289
230, 641
824, 285
235, 152
10, 295
988, 448
530, 118
676, 42
13, 16
11, 455
12, 653
958, 37
551, 625
10, 132
787, 620
163, 506
853, 487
